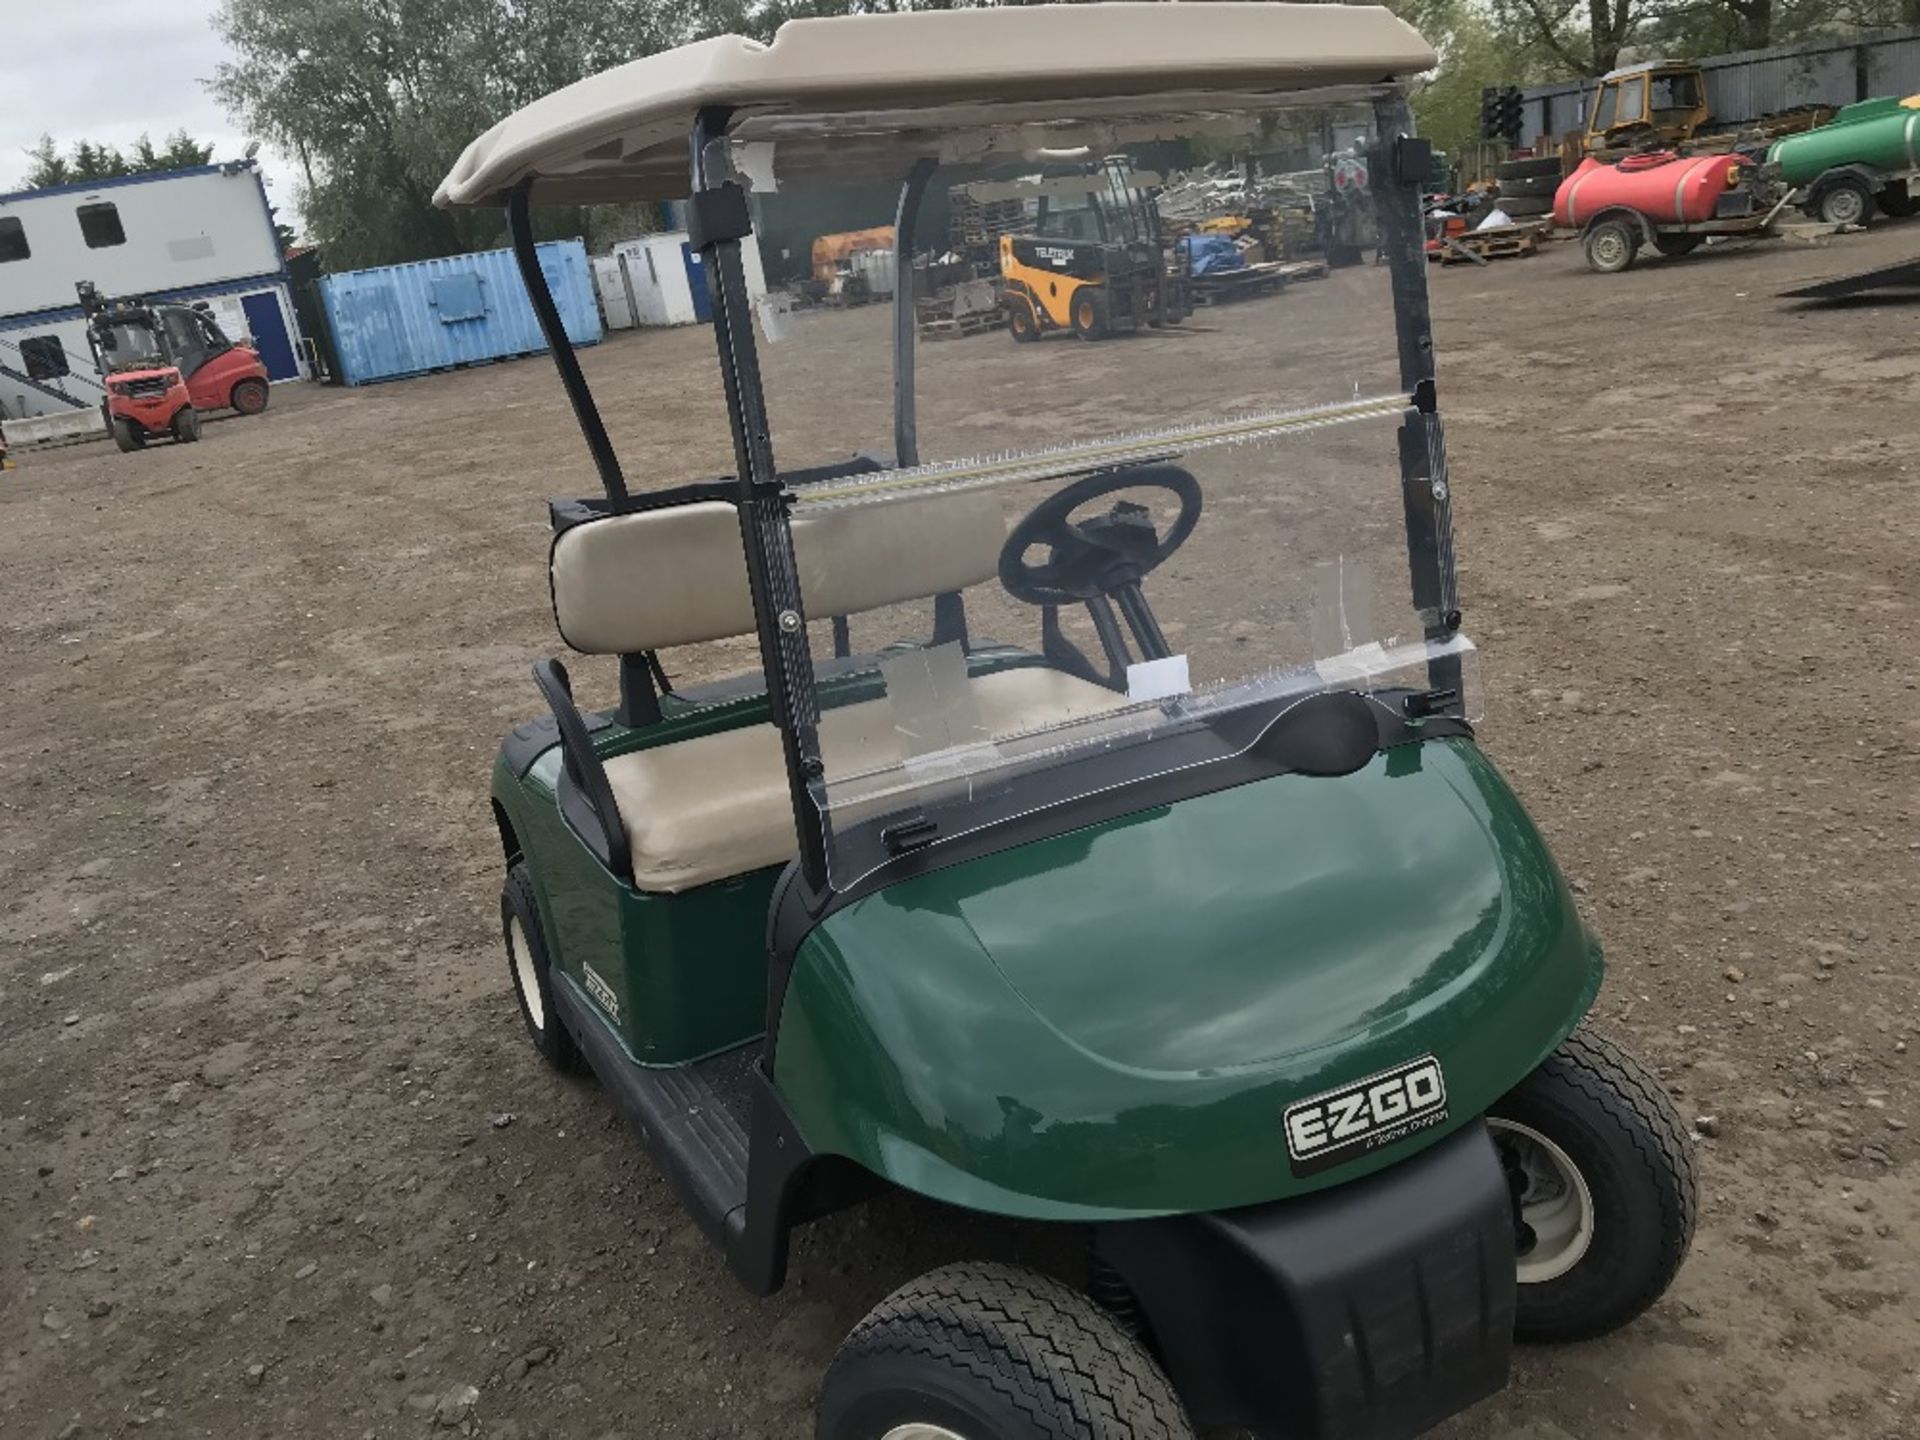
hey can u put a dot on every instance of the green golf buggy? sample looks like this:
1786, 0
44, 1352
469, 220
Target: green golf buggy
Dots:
1044, 780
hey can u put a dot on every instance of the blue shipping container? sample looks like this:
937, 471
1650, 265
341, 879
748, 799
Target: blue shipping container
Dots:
462, 310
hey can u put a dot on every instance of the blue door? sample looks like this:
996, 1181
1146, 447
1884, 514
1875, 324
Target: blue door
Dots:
269, 329
697, 282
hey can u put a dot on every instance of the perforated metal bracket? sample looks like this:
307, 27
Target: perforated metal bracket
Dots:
718, 214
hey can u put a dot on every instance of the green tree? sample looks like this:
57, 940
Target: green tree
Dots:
86, 161
377, 98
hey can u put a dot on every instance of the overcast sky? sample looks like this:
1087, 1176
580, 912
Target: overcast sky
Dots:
105, 70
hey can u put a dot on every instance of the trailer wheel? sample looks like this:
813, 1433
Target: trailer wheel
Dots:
1602, 1177
1611, 247
128, 436
1089, 314
1898, 200
1020, 321
1845, 200
992, 1352
250, 396
186, 425
531, 971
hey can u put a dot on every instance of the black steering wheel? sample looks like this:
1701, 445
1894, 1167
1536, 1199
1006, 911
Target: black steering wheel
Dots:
1102, 554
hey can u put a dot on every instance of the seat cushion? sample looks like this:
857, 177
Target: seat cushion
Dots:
706, 809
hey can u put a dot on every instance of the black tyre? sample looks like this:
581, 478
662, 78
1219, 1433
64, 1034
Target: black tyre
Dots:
991, 1352
186, 425
1525, 207
1611, 247
1530, 187
1020, 321
250, 396
127, 435
1847, 200
1674, 246
1538, 166
1089, 314
1898, 200
1603, 1176
531, 971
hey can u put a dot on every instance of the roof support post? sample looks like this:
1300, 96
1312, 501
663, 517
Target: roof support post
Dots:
718, 221
520, 227
1397, 165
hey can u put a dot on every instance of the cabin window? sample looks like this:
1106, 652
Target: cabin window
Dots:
100, 225
44, 357
13, 240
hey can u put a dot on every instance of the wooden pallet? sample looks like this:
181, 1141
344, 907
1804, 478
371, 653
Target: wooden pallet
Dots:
956, 327
1502, 242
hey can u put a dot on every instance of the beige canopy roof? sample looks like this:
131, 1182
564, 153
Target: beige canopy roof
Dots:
622, 134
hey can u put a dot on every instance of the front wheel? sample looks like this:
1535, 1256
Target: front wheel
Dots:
1847, 201
1602, 1178
991, 1352
186, 425
1611, 247
250, 396
127, 435
1089, 314
1020, 320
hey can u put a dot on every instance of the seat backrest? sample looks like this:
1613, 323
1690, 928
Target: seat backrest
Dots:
653, 579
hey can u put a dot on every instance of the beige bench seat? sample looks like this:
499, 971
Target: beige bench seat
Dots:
706, 809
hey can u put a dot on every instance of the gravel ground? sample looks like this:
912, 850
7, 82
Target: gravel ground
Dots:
276, 1160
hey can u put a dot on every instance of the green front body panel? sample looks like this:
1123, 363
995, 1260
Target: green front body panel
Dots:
1881, 133
687, 972
1110, 1023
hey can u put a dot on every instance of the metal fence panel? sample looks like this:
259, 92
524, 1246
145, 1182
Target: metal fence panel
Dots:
401, 320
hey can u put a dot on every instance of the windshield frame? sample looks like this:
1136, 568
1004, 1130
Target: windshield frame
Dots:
719, 218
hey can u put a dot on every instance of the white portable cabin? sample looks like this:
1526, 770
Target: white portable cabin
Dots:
610, 286
664, 279
202, 234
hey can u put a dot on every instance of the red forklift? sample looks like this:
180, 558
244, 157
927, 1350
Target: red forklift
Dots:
163, 365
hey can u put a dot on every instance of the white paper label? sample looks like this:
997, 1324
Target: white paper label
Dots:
1158, 679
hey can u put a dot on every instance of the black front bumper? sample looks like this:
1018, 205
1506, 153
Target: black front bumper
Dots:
1371, 1311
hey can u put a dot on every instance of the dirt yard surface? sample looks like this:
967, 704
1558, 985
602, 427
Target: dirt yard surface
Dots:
275, 1157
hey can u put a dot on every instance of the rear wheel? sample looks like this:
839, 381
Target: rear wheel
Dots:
992, 1352
1089, 313
1845, 201
1602, 1178
250, 396
127, 435
1611, 246
1020, 320
531, 970
186, 425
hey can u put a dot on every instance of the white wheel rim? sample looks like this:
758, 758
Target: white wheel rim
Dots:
1844, 207
524, 979
1556, 1202
1608, 249
920, 1430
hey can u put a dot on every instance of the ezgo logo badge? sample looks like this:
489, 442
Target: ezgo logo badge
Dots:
1365, 1115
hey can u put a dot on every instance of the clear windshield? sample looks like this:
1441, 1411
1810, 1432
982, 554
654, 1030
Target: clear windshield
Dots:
130, 345
1153, 494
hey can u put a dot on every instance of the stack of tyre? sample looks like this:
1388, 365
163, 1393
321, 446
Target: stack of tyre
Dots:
1527, 186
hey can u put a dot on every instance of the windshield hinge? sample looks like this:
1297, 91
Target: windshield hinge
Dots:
909, 835
1426, 703
718, 214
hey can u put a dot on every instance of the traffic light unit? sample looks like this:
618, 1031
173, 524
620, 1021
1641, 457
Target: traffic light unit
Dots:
1500, 114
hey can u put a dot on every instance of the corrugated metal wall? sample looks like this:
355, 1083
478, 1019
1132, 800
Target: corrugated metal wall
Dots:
1751, 83
462, 310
